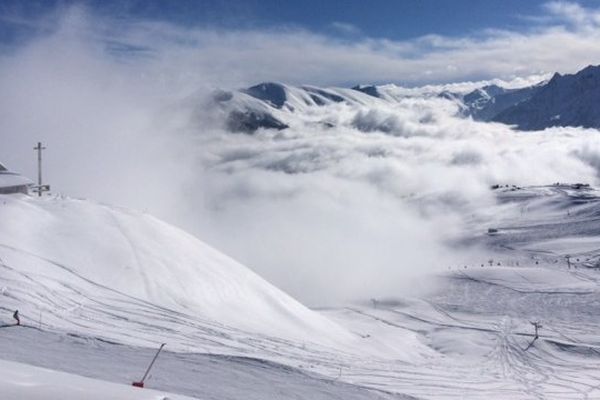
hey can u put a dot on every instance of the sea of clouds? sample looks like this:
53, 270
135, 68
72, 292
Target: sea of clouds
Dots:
326, 213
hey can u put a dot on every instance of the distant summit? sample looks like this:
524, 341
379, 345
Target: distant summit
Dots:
485, 103
566, 100
272, 93
268, 105
368, 89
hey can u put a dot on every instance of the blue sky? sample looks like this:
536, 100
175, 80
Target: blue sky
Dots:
242, 42
396, 20
390, 19
400, 19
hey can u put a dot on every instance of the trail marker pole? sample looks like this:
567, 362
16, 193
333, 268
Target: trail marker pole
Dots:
536, 326
140, 384
40, 188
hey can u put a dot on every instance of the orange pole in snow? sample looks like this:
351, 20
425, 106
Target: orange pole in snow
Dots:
140, 384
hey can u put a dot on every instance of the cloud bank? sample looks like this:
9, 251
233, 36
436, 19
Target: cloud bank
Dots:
323, 213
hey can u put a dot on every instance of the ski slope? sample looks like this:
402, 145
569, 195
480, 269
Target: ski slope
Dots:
470, 337
73, 246
24, 382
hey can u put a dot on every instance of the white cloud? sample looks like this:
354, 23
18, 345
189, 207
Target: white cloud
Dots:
370, 208
572, 13
345, 28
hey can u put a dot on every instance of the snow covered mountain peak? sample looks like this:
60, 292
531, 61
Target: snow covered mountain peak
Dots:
564, 100
273, 93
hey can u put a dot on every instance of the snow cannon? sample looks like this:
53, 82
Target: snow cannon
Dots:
140, 384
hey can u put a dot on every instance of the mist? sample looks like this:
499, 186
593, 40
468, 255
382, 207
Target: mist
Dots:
356, 211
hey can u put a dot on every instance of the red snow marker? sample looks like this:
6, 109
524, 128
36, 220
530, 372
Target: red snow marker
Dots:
140, 384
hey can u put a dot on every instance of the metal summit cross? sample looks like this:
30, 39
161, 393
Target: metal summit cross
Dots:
40, 188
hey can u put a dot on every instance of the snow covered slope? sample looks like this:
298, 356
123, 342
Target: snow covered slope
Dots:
487, 102
73, 243
469, 337
24, 382
98, 287
566, 100
200, 375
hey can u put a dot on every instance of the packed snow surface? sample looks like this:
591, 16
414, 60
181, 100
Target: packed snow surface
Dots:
24, 382
99, 288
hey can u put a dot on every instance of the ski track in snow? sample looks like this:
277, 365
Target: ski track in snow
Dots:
471, 339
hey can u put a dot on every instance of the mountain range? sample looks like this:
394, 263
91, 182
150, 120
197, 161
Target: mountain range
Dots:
564, 100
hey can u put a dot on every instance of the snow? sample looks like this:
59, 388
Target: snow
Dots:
528, 279
558, 102
8, 179
138, 255
566, 245
566, 100
24, 382
203, 376
100, 287
270, 105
